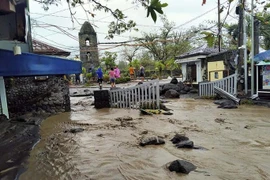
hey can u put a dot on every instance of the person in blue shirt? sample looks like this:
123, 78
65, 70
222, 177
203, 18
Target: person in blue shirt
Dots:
100, 77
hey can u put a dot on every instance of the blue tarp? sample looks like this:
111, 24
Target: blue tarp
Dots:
28, 64
262, 56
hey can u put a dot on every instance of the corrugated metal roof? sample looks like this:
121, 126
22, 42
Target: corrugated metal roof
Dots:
40, 47
202, 50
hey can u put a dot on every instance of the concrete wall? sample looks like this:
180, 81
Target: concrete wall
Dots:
8, 26
26, 95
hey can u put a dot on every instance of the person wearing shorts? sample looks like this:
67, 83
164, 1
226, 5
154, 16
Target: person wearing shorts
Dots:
100, 77
112, 77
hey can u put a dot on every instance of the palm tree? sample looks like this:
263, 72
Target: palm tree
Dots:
159, 65
171, 65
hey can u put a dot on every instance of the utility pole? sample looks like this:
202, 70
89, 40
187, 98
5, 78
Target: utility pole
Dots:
219, 28
256, 36
240, 47
252, 47
245, 50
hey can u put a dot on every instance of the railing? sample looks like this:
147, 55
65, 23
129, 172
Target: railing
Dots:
145, 95
228, 84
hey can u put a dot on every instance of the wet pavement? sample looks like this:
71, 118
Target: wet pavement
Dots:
237, 143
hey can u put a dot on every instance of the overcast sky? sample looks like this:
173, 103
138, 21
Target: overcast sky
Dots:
58, 17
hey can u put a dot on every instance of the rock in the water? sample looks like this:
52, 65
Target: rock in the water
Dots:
219, 102
169, 86
172, 94
193, 91
181, 166
183, 92
179, 138
174, 80
181, 85
74, 130
226, 104
3, 117
152, 141
163, 107
86, 90
185, 144
187, 88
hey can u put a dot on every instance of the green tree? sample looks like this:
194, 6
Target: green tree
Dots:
123, 66
171, 65
121, 23
160, 66
109, 59
136, 64
167, 43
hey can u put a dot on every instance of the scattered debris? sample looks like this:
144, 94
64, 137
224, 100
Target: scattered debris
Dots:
100, 135
154, 111
220, 120
125, 118
152, 141
74, 130
144, 132
248, 127
181, 166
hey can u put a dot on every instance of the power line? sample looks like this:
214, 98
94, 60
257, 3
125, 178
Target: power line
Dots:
66, 17
197, 17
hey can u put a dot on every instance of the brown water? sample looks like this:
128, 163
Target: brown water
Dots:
109, 150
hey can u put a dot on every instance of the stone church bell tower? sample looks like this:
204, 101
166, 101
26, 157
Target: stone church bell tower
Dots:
88, 46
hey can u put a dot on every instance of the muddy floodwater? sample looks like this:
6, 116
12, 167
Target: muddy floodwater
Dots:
237, 143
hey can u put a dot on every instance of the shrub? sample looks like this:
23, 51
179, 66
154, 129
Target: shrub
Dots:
106, 78
88, 76
122, 80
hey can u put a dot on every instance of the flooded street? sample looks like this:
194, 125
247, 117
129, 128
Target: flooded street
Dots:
237, 143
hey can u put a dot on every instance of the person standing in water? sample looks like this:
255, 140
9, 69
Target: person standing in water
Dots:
142, 73
100, 77
112, 77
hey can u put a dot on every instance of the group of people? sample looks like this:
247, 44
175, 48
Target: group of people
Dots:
132, 72
115, 73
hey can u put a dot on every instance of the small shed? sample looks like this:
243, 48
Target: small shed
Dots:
262, 62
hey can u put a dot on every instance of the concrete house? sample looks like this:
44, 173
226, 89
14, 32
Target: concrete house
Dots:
194, 64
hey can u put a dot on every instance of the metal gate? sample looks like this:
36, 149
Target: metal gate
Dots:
145, 95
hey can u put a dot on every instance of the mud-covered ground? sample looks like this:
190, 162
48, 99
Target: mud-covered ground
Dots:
237, 143
17, 138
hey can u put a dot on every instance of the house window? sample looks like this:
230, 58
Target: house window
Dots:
216, 75
87, 42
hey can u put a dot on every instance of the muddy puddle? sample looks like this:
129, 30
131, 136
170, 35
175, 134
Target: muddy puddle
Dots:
237, 140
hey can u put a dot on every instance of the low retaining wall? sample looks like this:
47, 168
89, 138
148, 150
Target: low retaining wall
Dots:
28, 95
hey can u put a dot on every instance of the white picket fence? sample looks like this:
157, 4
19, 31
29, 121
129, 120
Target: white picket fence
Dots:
145, 95
228, 84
